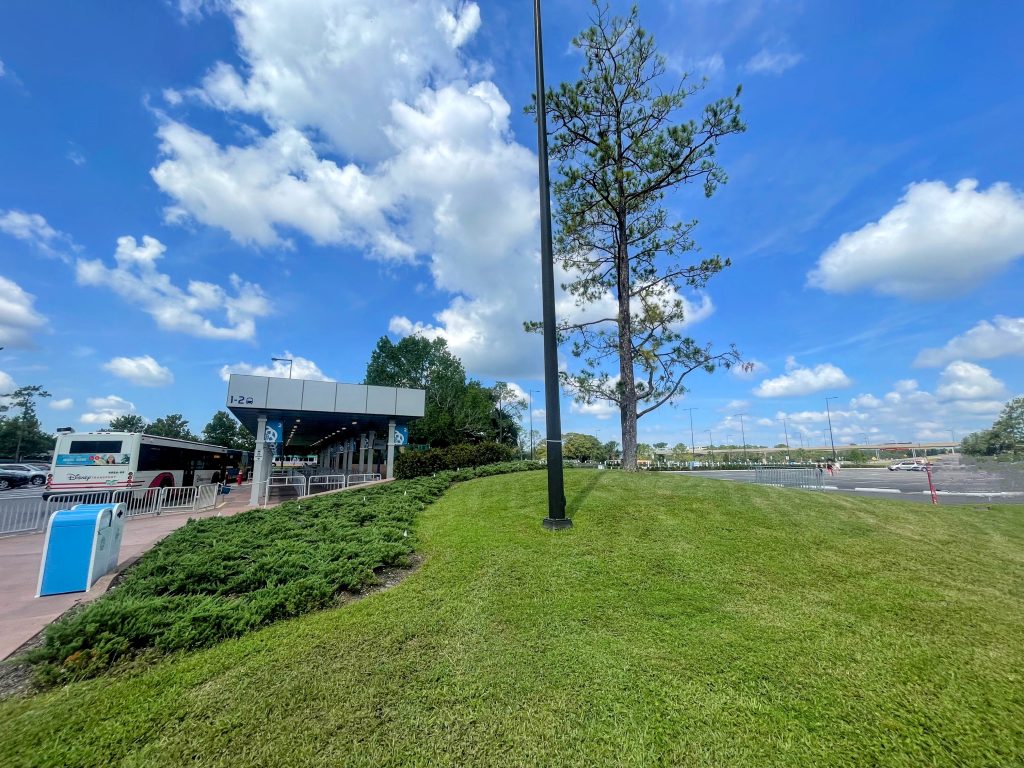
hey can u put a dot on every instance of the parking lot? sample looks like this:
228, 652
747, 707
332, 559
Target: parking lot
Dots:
954, 483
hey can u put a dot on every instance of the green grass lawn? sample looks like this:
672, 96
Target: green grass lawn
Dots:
682, 621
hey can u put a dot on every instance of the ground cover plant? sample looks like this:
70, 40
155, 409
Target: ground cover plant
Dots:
681, 621
222, 577
410, 464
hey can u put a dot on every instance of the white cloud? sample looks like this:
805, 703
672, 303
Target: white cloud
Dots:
865, 401
136, 279
63, 404
966, 381
1003, 337
735, 405
751, 370
935, 242
803, 381
601, 409
301, 368
710, 65
765, 422
142, 370
33, 228
19, 320
2, 70
6, 385
103, 409
338, 66
773, 62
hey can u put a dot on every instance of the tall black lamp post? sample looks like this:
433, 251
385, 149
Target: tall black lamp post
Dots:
556, 518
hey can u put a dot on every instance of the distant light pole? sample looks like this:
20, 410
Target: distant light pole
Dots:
743, 435
711, 444
531, 423
285, 360
693, 449
556, 489
832, 439
785, 430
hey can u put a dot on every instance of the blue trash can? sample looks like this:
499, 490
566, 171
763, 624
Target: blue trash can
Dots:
82, 544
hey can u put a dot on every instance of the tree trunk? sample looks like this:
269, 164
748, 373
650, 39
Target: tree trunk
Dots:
627, 403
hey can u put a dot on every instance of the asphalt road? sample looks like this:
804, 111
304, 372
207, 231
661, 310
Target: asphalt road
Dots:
954, 488
26, 491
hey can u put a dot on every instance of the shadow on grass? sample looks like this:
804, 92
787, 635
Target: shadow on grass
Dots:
581, 495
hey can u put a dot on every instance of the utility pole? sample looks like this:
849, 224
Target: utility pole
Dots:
693, 450
785, 430
711, 444
832, 439
743, 435
556, 489
531, 423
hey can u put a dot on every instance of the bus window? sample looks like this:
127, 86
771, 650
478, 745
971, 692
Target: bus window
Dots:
95, 446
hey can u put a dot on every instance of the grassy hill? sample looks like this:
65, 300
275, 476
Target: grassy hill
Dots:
681, 621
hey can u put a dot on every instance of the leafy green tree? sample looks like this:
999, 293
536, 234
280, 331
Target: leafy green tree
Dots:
1004, 437
129, 422
172, 425
680, 452
644, 451
620, 149
456, 410
224, 429
22, 435
509, 408
579, 447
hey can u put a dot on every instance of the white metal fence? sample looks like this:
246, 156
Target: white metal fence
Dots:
29, 514
789, 477
322, 483
360, 479
301, 486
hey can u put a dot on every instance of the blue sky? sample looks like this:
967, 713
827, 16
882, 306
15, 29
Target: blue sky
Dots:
191, 188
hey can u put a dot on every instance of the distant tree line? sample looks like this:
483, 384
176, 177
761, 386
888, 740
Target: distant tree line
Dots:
1004, 438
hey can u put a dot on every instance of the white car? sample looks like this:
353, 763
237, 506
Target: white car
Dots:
913, 465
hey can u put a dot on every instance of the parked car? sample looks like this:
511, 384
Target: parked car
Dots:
36, 476
913, 465
10, 479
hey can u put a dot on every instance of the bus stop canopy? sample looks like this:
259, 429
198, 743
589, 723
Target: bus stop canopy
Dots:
317, 414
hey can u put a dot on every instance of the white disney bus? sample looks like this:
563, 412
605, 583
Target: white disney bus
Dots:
114, 461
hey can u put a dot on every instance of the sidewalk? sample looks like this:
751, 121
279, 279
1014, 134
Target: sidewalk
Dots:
22, 614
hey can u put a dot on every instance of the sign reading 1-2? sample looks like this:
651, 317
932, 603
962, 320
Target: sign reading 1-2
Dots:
239, 399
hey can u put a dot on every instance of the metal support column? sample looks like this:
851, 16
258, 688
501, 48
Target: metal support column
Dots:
259, 465
391, 450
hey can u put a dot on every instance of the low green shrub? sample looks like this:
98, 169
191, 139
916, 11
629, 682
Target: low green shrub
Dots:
419, 464
221, 577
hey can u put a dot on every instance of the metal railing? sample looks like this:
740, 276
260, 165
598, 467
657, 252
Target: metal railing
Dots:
360, 479
789, 477
30, 514
315, 484
322, 483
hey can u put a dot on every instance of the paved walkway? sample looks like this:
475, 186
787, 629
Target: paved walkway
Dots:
22, 614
